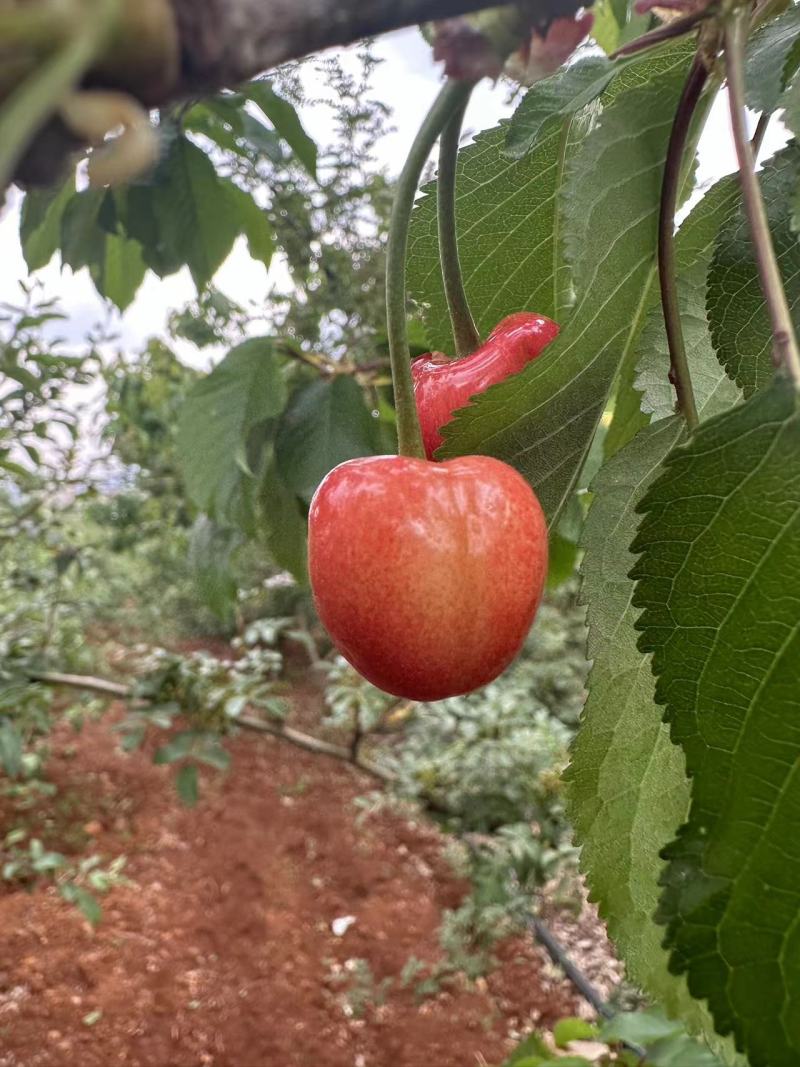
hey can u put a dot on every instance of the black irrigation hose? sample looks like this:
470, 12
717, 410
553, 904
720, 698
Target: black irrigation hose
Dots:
558, 955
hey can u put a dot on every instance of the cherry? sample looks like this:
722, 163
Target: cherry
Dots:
426, 575
441, 385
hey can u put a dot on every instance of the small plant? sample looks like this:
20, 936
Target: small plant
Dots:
26, 862
361, 990
628, 1039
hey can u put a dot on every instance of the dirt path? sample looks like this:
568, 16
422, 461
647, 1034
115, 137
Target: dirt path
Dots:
222, 955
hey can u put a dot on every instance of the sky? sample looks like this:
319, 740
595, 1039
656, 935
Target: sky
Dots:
408, 80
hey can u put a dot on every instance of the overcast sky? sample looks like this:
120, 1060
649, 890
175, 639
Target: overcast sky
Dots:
407, 80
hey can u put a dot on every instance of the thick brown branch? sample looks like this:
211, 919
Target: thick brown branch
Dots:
224, 42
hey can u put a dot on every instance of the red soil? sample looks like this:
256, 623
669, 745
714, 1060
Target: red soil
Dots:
222, 954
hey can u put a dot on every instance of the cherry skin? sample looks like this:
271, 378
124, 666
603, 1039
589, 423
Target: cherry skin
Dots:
427, 576
442, 385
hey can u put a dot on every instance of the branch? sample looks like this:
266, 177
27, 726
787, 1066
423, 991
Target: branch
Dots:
82, 681
225, 42
313, 744
247, 722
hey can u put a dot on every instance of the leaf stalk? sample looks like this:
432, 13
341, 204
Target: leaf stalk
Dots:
679, 373
785, 348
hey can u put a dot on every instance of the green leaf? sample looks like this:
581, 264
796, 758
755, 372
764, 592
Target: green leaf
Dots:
179, 747
573, 1029
666, 1042
615, 23
565, 93
284, 118
253, 222
625, 775
11, 749
221, 411
194, 218
114, 262
186, 785
737, 312
509, 246
282, 524
542, 422
694, 246
40, 223
533, 1046
85, 901
213, 754
211, 548
771, 60
325, 424
719, 582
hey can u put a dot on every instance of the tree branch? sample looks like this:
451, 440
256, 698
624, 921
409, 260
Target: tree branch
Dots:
247, 722
224, 42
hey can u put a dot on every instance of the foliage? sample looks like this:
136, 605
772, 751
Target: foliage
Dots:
682, 785
27, 862
634, 1039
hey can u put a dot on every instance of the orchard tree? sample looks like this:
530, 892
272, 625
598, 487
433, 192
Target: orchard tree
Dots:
666, 383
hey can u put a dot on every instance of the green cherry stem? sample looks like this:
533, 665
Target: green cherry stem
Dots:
450, 98
785, 350
465, 333
679, 373
34, 100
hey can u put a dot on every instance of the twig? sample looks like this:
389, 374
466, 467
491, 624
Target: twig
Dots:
676, 28
313, 744
82, 681
758, 134
679, 373
785, 350
247, 722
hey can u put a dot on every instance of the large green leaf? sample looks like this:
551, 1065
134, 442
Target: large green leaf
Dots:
694, 246
509, 244
719, 582
194, 218
281, 524
210, 553
565, 93
326, 423
737, 312
772, 59
40, 223
283, 116
626, 788
88, 240
219, 416
542, 421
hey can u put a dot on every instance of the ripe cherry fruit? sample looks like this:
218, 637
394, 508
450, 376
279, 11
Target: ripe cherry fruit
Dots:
442, 385
427, 575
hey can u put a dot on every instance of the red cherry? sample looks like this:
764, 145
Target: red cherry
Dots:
427, 576
442, 386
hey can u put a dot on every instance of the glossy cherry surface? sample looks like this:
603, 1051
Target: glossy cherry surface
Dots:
442, 385
426, 575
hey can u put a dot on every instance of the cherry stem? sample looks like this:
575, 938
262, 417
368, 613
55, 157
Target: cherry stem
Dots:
33, 101
465, 333
785, 350
450, 98
679, 373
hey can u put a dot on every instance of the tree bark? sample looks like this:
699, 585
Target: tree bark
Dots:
224, 42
